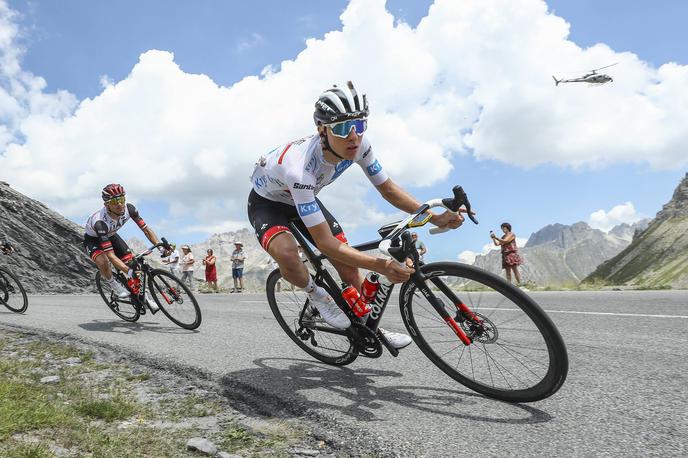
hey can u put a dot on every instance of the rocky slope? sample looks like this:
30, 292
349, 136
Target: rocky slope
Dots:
658, 257
561, 254
49, 257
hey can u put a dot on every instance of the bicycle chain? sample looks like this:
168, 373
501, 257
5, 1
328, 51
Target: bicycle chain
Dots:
365, 340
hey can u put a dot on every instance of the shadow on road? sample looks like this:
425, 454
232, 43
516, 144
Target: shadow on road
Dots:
279, 387
126, 327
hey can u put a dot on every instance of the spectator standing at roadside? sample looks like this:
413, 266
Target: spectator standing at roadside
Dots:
420, 246
238, 259
172, 261
272, 265
510, 257
210, 269
187, 264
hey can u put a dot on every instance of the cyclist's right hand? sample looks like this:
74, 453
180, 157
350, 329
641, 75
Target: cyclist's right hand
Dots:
395, 272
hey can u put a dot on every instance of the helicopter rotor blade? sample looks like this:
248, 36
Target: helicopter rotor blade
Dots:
606, 66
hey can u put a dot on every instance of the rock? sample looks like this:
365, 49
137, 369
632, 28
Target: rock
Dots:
51, 379
199, 444
72, 361
227, 455
305, 452
49, 254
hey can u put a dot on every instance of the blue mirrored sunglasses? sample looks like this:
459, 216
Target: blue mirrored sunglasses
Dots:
342, 129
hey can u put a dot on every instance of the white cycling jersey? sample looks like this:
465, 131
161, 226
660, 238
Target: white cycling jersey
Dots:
296, 172
102, 225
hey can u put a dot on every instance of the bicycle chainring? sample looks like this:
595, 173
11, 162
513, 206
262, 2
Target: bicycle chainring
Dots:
365, 341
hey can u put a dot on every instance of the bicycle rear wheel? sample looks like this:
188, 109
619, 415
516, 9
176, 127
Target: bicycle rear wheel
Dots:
175, 299
12, 293
125, 309
288, 305
516, 354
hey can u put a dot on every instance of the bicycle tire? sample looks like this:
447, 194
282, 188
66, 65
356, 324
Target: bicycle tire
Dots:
292, 302
6, 277
522, 327
115, 304
172, 295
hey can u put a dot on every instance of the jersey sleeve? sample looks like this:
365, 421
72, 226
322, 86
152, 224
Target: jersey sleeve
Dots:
302, 189
370, 165
101, 231
134, 213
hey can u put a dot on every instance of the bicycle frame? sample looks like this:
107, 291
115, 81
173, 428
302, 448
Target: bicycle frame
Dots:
417, 278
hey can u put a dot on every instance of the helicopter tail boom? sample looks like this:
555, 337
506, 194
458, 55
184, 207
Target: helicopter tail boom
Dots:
556, 81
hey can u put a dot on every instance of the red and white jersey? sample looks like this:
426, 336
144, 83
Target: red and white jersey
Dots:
296, 172
103, 226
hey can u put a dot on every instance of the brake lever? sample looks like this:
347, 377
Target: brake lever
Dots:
454, 204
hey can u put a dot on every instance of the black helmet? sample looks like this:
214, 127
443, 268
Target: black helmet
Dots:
338, 104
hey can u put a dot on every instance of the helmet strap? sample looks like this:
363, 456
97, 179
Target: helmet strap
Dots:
325, 143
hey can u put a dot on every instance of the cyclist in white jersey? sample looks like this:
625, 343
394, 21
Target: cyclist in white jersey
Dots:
101, 238
285, 184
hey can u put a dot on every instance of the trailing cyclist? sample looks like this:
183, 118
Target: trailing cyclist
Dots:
101, 238
286, 182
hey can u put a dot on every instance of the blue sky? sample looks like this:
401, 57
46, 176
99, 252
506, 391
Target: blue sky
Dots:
89, 48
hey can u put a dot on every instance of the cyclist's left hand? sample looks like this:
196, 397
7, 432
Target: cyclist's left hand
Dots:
448, 219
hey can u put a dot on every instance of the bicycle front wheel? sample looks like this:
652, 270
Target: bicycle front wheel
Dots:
12, 293
175, 299
125, 309
516, 353
310, 334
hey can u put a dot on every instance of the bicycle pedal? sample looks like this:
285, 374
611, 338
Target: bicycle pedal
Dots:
392, 351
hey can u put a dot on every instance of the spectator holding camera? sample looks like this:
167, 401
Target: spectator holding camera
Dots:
209, 262
510, 257
172, 260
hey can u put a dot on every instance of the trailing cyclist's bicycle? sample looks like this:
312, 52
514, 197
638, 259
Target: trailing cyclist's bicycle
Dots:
173, 297
477, 328
12, 293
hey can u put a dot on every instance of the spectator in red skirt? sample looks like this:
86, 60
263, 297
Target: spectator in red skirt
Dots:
210, 269
510, 257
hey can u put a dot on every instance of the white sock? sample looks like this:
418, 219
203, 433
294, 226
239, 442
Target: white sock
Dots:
315, 291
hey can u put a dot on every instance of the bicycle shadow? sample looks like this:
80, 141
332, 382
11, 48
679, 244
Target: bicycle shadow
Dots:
126, 327
358, 393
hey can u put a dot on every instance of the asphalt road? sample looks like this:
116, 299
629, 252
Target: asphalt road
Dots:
626, 393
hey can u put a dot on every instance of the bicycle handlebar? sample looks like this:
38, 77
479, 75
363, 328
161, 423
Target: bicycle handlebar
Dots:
164, 244
391, 246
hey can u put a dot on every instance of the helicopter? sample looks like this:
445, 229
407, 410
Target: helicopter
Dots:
592, 77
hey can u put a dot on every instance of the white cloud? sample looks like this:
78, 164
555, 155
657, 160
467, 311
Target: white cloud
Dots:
606, 220
472, 78
253, 41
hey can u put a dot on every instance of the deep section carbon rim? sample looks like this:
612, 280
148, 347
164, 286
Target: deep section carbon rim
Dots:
124, 309
287, 305
12, 293
175, 299
517, 354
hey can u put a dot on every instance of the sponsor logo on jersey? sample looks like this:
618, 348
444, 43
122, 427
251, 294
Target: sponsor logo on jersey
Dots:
374, 168
261, 182
303, 186
310, 167
367, 152
340, 168
308, 208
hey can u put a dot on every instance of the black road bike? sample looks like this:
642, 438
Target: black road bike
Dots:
12, 293
173, 297
477, 328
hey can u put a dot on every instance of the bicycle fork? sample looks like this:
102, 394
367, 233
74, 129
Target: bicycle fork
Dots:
464, 312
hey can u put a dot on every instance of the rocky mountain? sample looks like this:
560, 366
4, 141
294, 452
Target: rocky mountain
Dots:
50, 257
561, 254
658, 257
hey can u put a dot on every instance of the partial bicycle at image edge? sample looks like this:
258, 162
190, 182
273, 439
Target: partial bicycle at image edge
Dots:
12, 292
477, 328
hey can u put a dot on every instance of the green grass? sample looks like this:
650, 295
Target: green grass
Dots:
188, 406
117, 408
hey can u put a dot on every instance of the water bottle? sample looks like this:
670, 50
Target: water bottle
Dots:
134, 285
355, 301
370, 286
